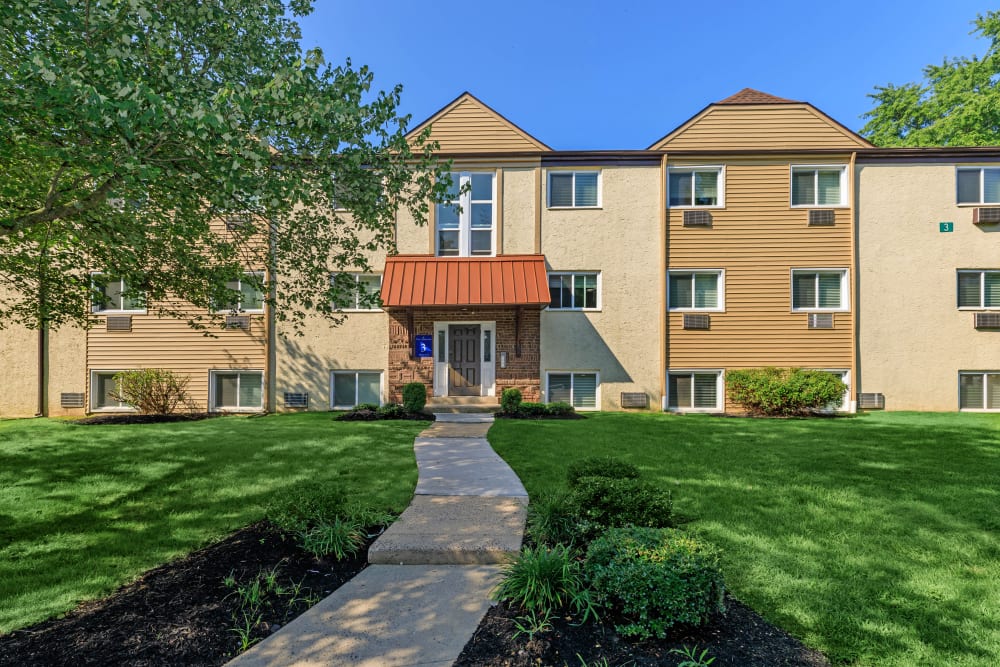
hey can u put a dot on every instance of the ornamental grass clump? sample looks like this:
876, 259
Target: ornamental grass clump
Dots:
544, 580
783, 392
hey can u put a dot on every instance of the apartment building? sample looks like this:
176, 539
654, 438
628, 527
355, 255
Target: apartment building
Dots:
760, 232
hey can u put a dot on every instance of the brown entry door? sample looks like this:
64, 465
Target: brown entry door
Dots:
464, 365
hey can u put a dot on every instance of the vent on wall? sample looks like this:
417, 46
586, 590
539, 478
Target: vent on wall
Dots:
985, 216
697, 219
871, 401
237, 322
821, 217
296, 399
988, 320
635, 399
71, 400
697, 321
820, 320
119, 323
237, 221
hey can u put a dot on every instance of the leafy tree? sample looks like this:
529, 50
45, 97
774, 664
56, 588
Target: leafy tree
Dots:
132, 127
957, 103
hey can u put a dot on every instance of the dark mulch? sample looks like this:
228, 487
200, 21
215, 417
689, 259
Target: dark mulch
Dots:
182, 613
372, 415
131, 418
737, 638
528, 415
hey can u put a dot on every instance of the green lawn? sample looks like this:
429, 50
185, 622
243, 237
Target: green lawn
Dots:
875, 539
84, 509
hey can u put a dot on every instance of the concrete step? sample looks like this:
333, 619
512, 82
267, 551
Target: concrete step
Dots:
462, 404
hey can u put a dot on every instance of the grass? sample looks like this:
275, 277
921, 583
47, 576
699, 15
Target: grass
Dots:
84, 509
873, 539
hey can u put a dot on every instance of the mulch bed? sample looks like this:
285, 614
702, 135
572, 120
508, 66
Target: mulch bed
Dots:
182, 613
737, 638
372, 415
518, 415
132, 418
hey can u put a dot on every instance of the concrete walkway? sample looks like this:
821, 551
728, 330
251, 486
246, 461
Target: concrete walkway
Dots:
431, 572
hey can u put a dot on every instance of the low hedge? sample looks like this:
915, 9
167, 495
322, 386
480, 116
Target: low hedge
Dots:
783, 391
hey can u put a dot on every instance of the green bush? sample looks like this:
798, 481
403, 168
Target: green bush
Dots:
414, 396
392, 411
367, 406
151, 391
532, 410
605, 502
552, 518
783, 391
655, 578
545, 579
510, 400
600, 466
306, 506
559, 409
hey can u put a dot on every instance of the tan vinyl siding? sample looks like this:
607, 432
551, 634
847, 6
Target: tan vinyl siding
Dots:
470, 127
758, 239
780, 126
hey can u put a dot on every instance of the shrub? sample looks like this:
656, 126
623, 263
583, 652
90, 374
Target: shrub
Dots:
545, 579
339, 537
151, 391
600, 466
367, 406
605, 502
559, 409
510, 400
392, 411
783, 391
414, 396
552, 518
531, 410
656, 578
306, 506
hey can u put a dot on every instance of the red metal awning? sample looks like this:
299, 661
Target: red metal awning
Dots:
426, 281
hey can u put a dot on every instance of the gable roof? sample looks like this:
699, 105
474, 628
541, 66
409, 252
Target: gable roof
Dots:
753, 120
468, 125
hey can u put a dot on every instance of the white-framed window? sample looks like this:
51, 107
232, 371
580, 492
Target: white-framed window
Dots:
102, 386
979, 390
696, 289
696, 187
361, 293
574, 189
842, 405
695, 390
815, 186
251, 289
236, 390
978, 185
466, 225
575, 291
110, 296
819, 290
350, 388
579, 389
978, 289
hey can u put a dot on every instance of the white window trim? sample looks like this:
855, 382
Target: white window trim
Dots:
982, 187
982, 289
719, 168
958, 389
572, 384
548, 188
576, 273
720, 389
97, 309
240, 309
465, 228
344, 371
846, 404
819, 167
229, 371
93, 394
721, 288
845, 295
357, 278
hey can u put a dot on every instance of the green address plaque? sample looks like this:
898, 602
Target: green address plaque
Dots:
946, 227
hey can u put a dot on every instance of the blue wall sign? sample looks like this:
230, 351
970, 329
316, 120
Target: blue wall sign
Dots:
423, 346
946, 226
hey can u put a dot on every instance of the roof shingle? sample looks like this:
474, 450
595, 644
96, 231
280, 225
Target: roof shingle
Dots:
751, 96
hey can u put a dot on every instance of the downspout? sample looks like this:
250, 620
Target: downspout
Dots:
664, 321
856, 283
43, 370
270, 330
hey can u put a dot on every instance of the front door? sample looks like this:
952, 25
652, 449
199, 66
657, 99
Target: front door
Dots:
464, 366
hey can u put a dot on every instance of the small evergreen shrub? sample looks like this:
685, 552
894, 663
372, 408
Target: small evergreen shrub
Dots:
532, 410
510, 400
600, 466
605, 502
367, 406
306, 506
559, 409
392, 411
655, 578
783, 391
152, 391
552, 518
545, 579
414, 396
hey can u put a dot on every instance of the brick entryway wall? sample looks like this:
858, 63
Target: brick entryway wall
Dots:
523, 371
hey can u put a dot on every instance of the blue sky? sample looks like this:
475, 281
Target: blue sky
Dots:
621, 74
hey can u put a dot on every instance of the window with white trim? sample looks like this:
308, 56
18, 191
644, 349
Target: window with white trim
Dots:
111, 295
350, 388
979, 289
694, 390
819, 289
251, 294
574, 291
818, 186
103, 386
978, 185
577, 389
843, 404
694, 187
466, 224
237, 390
695, 290
574, 189
358, 291
979, 390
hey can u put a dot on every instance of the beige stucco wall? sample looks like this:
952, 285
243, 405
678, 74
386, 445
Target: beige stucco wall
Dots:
518, 211
913, 339
67, 368
19, 365
621, 240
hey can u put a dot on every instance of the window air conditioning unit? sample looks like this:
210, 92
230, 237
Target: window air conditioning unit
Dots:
985, 216
237, 322
821, 217
871, 401
296, 399
988, 320
635, 399
697, 321
71, 400
119, 323
820, 320
697, 219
